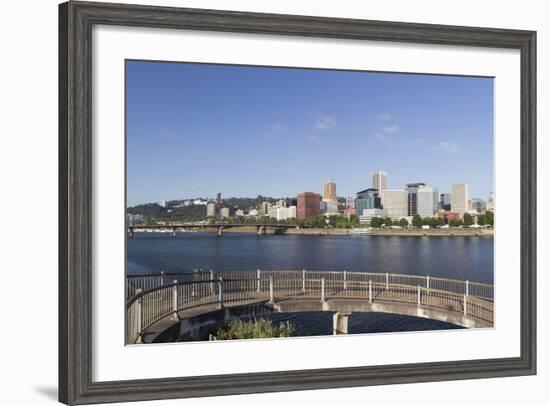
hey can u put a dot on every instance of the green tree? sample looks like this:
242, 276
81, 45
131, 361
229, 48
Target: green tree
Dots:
490, 215
482, 219
388, 222
455, 223
416, 221
376, 222
440, 221
468, 219
403, 223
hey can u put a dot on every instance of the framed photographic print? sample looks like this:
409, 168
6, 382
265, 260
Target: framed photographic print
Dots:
259, 202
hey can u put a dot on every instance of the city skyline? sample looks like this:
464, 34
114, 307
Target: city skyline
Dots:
278, 132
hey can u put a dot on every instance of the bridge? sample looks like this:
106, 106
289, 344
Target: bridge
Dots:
261, 229
187, 303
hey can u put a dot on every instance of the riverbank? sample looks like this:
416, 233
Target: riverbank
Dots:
412, 232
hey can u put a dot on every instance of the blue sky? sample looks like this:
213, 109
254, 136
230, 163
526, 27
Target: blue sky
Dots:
194, 130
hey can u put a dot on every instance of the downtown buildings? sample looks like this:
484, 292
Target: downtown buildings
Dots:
309, 205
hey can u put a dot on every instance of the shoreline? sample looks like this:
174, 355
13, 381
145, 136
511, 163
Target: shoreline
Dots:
435, 232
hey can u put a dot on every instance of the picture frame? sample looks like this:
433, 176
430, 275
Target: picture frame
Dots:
76, 20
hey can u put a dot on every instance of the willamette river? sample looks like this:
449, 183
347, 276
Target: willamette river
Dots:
464, 258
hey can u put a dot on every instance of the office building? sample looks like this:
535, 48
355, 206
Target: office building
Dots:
379, 180
350, 202
445, 201
282, 213
309, 205
329, 192
224, 212
368, 215
239, 213
264, 208
490, 202
459, 199
412, 190
210, 209
367, 199
395, 203
427, 201
447, 215
478, 205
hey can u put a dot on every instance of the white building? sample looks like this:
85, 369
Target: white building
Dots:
224, 212
395, 203
253, 212
162, 203
331, 206
265, 207
350, 202
368, 214
282, 213
427, 201
210, 209
459, 199
379, 180
281, 203
239, 213
199, 202
491, 202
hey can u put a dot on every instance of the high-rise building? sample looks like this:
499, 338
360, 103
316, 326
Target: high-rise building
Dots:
379, 180
412, 189
259, 201
350, 202
395, 203
309, 205
264, 208
282, 213
459, 199
368, 215
367, 199
281, 203
445, 201
210, 209
491, 202
224, 212
427, 201
478, 204
329, 193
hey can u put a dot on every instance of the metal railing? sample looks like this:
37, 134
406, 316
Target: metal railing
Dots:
160, 296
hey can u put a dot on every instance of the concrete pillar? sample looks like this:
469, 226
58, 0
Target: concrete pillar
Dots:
387, 280
174, 232
259, 230
427, 282
131, 232
175, 300
323, 290
303, 280
138, 318
220, 230
271, 299
370, 291
345, 280
259, 280
340, 323
465, 305
418, 295
212, 290
220, 293
467, 288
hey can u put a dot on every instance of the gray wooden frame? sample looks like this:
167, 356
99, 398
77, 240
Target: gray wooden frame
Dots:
75, 182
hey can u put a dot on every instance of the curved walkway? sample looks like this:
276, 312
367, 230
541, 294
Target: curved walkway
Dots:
158, 302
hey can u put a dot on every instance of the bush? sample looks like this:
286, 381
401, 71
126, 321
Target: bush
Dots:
238, 329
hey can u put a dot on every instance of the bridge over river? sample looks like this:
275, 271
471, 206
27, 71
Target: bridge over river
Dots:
189, 302
261, 229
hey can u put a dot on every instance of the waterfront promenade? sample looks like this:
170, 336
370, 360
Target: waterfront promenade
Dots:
191, 302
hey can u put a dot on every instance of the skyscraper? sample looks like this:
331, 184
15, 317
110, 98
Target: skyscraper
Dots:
459, 199
379, 180
395, 203
210, 209
412, 189
329, 193
309, 205
427, 200
367, 199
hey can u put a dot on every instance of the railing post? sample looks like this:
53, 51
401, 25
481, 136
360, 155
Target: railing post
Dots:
345, 280
467, 288
428, 282
387, 280
370, 291
220, 293
418, 295
271, 289
212, 290
303, 280
465, 305
138, 318
323, 290
161, 278
258, 277
175, 300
